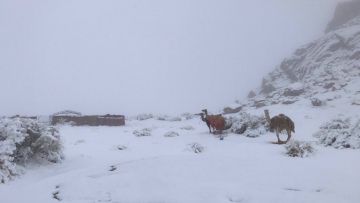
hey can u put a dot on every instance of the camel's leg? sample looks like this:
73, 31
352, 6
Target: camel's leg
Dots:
209, 127
221, 134
289, 135
277, 135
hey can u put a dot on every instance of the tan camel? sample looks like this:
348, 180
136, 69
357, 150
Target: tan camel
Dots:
280, 123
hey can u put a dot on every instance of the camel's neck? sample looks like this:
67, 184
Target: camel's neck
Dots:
267, 116
203, 118
206, 113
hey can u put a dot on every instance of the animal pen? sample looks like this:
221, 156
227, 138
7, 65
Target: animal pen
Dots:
92, 120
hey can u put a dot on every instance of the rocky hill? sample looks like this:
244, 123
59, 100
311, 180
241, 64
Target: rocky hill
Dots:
322, 70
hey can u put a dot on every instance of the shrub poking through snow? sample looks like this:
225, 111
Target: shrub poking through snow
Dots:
317, 102
143, 132
299, 149
249, 125
196, 147
340, 133
171, 134
26, 140
144, 116
189, 127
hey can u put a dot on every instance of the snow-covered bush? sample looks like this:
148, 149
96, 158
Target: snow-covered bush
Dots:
171, 134
167, 118
24, 140
144, 116
299, 149
249, 125
143, 132
340, 133
187, 116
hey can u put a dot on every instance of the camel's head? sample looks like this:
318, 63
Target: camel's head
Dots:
205, 111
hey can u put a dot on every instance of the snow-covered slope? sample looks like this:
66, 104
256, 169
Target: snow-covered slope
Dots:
328, 67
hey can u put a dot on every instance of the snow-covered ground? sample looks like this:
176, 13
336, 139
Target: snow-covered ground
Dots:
111, 164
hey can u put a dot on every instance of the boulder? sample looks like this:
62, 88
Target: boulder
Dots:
296, 89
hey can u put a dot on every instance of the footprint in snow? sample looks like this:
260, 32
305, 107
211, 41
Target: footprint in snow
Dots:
121, 147
293, 189
56, 194
113, 168
236, 200
79, 142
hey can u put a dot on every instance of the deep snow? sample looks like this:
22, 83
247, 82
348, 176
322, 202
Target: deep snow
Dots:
165, 169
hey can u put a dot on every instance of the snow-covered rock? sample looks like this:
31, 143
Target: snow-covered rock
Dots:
295, 89
229, 110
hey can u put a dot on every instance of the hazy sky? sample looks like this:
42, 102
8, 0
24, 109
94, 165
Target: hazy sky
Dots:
133, 56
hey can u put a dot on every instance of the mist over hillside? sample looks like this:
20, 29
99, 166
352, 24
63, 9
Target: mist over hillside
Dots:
344, 12
130, 57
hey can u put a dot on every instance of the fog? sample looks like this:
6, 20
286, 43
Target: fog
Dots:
135, 56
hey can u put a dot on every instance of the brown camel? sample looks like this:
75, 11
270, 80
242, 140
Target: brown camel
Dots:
216, 123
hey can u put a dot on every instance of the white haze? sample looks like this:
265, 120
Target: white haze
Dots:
136, 56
